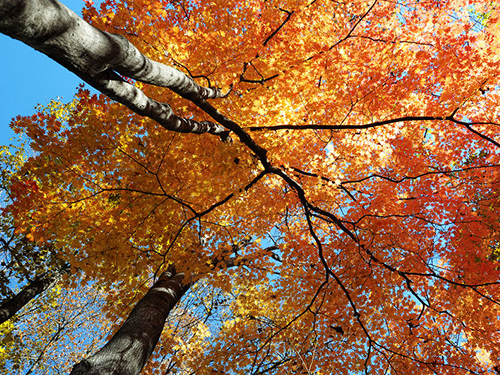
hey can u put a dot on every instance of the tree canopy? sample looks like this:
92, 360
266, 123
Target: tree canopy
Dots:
340, 204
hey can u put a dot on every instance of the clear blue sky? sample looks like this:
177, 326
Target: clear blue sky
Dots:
29, 78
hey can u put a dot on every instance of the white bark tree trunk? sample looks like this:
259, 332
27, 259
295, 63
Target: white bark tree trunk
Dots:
99, 58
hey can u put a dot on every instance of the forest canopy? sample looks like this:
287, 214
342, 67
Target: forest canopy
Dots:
320, 178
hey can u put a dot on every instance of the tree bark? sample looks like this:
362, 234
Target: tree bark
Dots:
129, 349
99, 58
9, 308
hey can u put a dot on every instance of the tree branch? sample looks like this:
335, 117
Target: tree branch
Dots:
98, 58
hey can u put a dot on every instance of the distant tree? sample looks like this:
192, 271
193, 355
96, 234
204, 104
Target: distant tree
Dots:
37, 286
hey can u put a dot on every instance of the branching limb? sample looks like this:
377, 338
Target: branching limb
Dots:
116, 88
99, 58
365, 126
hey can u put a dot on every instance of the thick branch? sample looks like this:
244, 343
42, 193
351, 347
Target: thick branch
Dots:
116, 88
96, 57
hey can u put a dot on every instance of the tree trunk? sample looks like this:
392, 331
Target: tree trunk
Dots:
9, 308
99, 58
129, 349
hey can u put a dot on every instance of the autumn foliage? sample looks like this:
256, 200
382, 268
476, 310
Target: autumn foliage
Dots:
364, 170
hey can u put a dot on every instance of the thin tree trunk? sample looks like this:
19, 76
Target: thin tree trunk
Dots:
9, 308
129, 349
99, 58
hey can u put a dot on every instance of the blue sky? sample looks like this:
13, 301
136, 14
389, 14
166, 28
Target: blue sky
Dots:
29, 78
